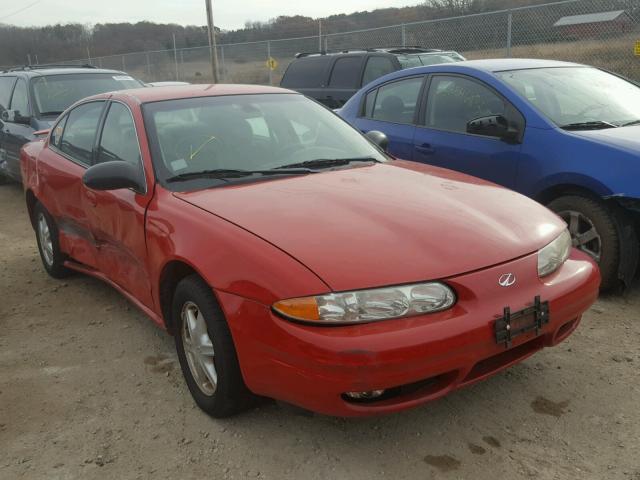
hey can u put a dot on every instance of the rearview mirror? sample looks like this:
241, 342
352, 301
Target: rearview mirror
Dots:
494, 126
14, 116
114, 176
378, 138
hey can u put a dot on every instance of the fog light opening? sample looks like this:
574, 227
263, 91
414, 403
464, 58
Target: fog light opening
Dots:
369, 395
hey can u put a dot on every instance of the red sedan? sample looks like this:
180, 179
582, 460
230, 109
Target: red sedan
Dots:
290, 257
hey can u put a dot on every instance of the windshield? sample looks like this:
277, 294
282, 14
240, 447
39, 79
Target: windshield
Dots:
571, 96
53, 94
418, 60
249, 133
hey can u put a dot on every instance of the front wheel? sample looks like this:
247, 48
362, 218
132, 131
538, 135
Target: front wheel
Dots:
206, 351
593, 230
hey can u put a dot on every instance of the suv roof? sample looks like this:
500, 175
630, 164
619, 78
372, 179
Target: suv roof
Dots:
53, 69
394, 50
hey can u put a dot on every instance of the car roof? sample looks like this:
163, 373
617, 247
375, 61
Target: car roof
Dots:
59, 71
502, 64
151, 94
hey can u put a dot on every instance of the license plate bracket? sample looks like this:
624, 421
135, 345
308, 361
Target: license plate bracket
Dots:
514, 324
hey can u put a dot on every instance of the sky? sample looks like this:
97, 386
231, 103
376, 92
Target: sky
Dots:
228, 14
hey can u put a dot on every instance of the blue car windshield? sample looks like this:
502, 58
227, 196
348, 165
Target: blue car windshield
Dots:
578, 96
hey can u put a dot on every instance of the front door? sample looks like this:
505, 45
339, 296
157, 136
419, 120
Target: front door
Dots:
117, 217
442, 139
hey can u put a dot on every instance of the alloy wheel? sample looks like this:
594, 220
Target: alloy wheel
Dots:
44, 235
198, 349
584, 235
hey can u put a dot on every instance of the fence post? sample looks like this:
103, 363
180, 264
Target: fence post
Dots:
269, 62
509, 24
175, 56
404, 35
223, 72
326, 43
124, 65
148, 68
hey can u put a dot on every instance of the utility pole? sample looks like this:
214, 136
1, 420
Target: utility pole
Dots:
175, 56
212, 42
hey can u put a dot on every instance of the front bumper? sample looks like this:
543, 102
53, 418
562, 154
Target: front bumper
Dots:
419, 358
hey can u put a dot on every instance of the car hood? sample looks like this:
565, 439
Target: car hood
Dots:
385, 224
626, 138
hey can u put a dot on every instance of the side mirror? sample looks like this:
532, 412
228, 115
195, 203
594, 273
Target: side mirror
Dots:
378, 138
14, 116
114, 176
494, 126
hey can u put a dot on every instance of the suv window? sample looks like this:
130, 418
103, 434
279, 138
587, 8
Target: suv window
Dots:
306, 72
20, 99
455, 101
346, 72
80, 131
119, 140
6, 85
396, 102
377, 67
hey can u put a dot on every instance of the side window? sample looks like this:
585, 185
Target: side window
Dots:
346, 72
397, 102
79, 132
306, 72
369, 102
6, 86
119, 140
56, 134
20, 99
455, 101
377, 67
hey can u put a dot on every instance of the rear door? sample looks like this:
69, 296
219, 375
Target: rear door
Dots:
116, 217
442, 139
393, 109
6, 89
16, 134
344, 81
60, 169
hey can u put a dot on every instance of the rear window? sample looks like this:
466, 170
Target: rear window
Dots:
53, 94
306, 72
424, 59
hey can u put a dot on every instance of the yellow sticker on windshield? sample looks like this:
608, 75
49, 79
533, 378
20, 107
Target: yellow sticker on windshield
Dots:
637, 49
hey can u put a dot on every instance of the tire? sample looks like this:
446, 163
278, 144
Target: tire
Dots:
48, 243
593, 214
226, 394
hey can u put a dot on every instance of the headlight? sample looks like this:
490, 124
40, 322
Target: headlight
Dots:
551, 257
368, 305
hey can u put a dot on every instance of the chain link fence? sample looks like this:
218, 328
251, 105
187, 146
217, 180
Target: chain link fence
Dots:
595, 32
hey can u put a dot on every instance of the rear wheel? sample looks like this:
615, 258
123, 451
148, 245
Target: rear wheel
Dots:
206, 351
593, 230
48, 243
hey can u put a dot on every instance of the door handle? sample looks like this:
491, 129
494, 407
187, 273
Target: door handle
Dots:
91, 197
425, 149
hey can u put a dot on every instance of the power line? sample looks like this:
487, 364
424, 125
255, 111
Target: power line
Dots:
21, 10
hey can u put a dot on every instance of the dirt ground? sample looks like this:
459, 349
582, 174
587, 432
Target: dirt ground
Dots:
89, 388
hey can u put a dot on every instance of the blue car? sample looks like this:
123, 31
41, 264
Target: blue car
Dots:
567, 135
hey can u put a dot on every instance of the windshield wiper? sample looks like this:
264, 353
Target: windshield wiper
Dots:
592, 125
632, 122
328, 162
225, 173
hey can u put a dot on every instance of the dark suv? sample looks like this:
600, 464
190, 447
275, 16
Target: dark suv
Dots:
32, 97
332, 78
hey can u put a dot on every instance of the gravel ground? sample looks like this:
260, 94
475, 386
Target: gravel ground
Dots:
89, 388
